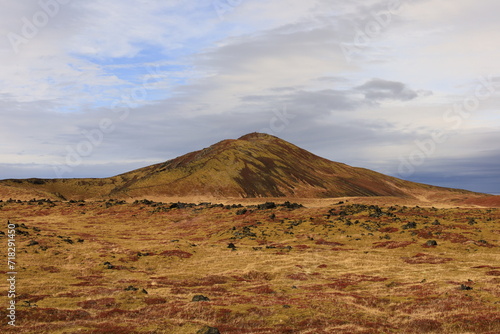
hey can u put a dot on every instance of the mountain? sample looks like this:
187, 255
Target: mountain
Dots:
255, 165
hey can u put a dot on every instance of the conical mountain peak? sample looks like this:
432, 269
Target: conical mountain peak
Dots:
260, 165
254, 165
258, 136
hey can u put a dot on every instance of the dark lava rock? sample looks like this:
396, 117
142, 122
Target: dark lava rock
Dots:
292, 205
241, 212
409, 225
109, 265
465, 287
208, 330
267, 205
431, 243
200, 298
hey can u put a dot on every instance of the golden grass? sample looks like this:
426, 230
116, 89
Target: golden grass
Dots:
105, 267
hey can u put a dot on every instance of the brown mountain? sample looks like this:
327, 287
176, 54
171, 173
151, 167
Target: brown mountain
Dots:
255, 165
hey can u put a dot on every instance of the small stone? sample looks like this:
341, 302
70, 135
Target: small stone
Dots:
200, 298
208, 330
431, 243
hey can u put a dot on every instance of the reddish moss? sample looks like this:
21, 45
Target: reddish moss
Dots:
424, 325
261, 312
297, 277
113, 313
178, 253
420, 258
454, 237
257, 276
111, 328
388, 230
212, 280
392, 244
155, 301
51, 269
262, 289
489, 267
71, 294
179, 291
351, 279
97, 304
52, 314
486, 322
493, 273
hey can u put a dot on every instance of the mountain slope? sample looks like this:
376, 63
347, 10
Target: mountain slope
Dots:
255, 165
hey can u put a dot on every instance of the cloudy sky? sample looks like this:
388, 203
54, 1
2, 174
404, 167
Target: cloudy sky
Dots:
409, 88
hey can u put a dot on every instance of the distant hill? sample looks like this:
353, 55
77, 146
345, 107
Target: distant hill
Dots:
255, 165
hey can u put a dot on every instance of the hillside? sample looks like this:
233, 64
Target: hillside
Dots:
255, 165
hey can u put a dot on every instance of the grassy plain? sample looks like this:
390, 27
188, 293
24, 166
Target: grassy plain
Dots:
115, 267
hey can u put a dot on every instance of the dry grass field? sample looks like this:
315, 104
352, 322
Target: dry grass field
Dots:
116, 267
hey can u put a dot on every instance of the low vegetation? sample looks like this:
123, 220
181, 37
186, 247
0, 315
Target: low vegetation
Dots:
150, 267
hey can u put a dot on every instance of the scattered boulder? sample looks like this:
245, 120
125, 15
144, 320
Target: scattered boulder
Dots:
267, 205
289, 205
108, 265
241, 212
465, 287
208, 330
409, 225
131, 288
431, 243
232, 246
200, 298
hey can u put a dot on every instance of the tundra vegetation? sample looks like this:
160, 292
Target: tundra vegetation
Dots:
112, 266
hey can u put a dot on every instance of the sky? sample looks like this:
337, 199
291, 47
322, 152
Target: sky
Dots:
408, 88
